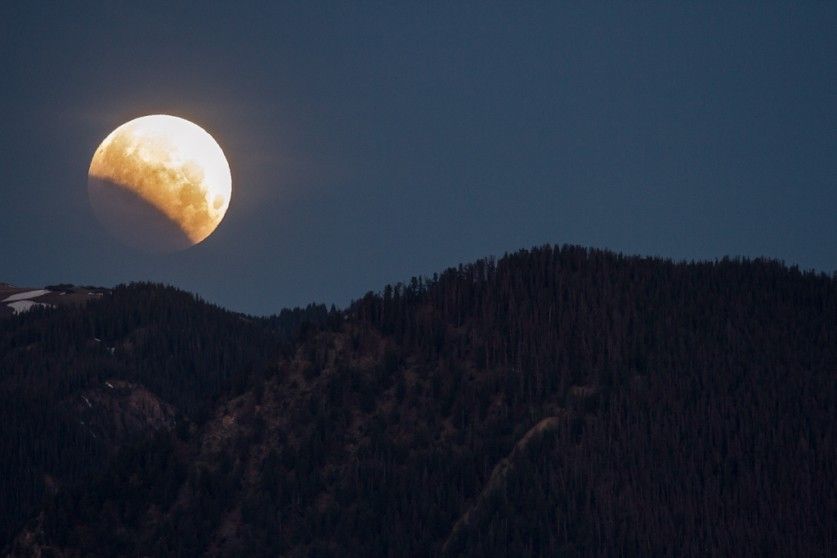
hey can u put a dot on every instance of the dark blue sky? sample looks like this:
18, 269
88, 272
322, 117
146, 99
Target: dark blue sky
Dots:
369, 143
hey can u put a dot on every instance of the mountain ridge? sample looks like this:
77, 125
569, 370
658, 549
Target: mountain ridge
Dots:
377, 429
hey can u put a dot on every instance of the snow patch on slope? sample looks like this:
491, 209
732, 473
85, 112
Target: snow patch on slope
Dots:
26, 295
20, 306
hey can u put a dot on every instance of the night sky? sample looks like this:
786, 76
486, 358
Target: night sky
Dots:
370, 143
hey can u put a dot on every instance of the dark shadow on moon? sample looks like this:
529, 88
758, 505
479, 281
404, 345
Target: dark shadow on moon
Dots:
134, 221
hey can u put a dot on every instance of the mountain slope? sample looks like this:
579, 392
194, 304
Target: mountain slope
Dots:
559, 399
77, 383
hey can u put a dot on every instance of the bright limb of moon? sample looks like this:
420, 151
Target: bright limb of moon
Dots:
160, 183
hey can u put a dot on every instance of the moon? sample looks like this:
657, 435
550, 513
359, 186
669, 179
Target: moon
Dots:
159, 183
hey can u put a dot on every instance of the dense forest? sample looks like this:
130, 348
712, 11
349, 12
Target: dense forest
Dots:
557, 401
77, 384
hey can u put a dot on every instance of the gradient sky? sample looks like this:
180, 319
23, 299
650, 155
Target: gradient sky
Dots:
371, 142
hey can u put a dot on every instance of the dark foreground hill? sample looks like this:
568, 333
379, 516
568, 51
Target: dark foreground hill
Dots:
555, 401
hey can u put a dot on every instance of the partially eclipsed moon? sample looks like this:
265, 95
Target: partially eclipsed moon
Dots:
159, 183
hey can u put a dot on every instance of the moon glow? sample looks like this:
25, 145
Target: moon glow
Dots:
159, 183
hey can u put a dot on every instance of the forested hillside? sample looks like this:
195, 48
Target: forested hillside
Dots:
140, 351
558, 400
